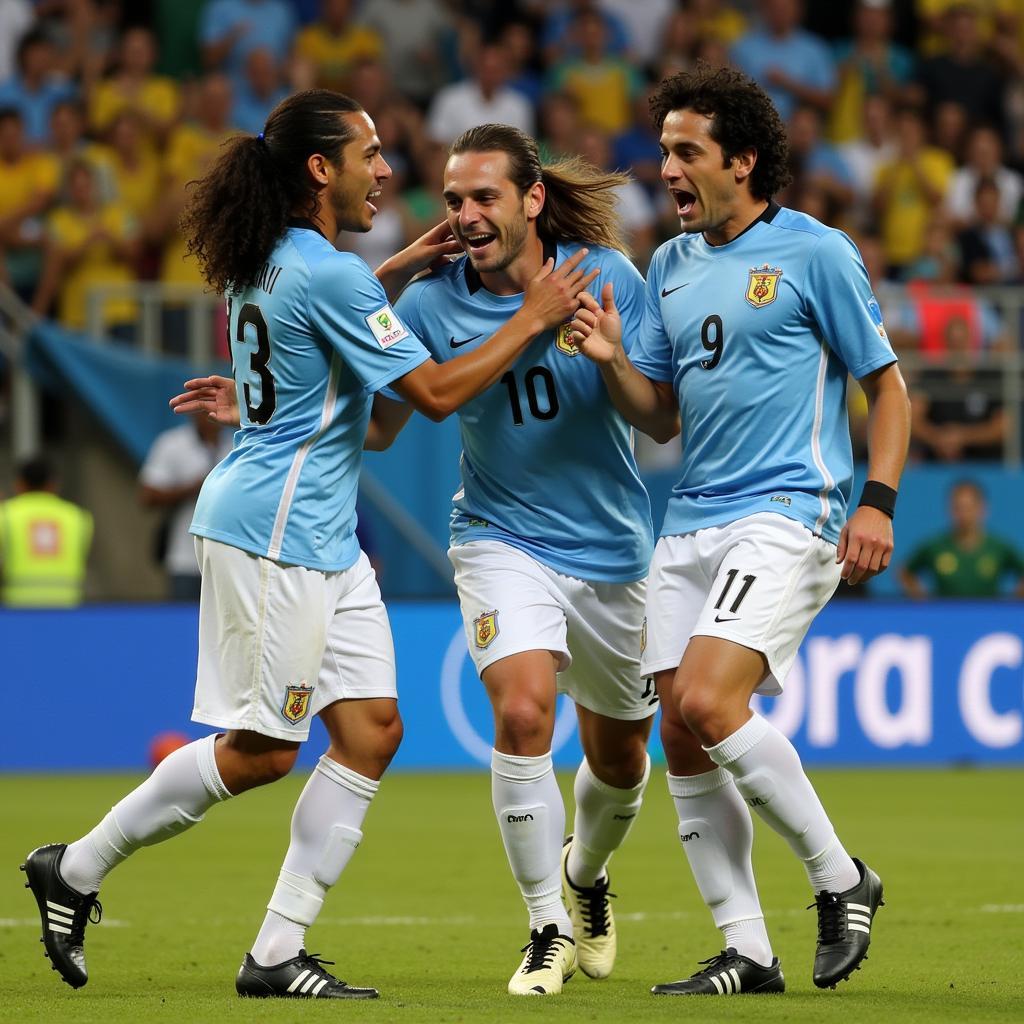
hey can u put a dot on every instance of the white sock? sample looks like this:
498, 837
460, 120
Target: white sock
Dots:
183, 786
717, 836
771, 779
325, 832
604, 816
531, 817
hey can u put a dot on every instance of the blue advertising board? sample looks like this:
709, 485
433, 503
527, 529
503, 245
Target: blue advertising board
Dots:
875, 683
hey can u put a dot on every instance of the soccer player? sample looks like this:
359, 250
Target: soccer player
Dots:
551, 535
551, 538
291, 621
754, 317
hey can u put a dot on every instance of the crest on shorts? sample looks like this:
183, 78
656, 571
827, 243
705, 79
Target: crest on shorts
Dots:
485, 629
562, 341
763, 286
296, 702
643, 637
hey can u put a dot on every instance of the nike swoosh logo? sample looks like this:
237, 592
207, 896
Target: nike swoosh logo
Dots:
728, 618
459, 344
666, 292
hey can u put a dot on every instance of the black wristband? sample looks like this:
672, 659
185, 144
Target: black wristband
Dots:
880, 496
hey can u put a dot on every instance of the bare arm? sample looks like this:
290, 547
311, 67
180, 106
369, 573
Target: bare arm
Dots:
866, 543
438, 389
431, 248
386, 421
649, 405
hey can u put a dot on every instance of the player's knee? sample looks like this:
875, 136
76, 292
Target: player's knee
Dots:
523, 725
389, 735
621, 765
699, 710
274, 764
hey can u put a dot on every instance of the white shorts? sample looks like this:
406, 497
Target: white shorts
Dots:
278, 643
759, 582
512, 603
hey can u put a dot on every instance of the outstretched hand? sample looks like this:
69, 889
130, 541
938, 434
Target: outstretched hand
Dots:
554, 293
212, 395
596, 330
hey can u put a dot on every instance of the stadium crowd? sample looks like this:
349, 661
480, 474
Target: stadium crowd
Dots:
906, 123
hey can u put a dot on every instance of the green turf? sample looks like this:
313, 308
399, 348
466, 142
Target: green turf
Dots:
428, 912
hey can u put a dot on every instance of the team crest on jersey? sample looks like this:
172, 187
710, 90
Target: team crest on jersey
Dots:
763, 286
562, 341
296, 702
485, 628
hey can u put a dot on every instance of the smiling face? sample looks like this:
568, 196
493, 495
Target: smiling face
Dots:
357, 179
708, 191
487, 213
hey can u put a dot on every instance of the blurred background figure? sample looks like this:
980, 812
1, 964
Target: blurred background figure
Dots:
965, 560
44, 542
90, 242
175, 468
486, 98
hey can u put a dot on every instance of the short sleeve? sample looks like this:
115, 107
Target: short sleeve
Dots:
840, 300
408, 309
651, 352
347, 305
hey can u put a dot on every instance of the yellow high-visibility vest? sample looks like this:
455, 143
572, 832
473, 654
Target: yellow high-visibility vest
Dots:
44, 544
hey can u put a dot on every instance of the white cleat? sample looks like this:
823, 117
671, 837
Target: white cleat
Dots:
549, 963
593, 923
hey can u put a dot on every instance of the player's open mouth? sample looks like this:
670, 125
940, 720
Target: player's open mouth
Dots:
373, 195
476, 243
685, 201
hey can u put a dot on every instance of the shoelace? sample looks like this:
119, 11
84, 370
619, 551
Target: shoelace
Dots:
715, 963
831, 917
84, 915
595, 908
317, 961
541, 954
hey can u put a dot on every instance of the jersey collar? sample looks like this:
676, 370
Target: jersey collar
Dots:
304, 222
767, 215
473, 282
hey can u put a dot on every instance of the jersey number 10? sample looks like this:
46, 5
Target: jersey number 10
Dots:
531, 380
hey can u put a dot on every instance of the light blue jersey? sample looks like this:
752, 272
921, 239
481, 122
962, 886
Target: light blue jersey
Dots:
311, 342
757, 336
547, 462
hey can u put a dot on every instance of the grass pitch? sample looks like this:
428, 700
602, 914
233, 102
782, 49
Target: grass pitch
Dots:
428, 912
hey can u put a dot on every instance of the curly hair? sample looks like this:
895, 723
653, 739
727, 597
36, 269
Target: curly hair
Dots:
742, 117
236, 214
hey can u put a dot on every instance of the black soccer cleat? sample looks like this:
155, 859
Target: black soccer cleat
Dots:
728, 974
300, 978
844, 927
64, 913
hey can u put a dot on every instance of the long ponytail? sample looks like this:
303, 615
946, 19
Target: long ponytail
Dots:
238, 211
580, 203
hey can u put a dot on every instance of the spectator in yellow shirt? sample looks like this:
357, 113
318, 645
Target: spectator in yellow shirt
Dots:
89, 243
908, 189
331, 45
28, 183
133, 85
192, 148
602, 85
